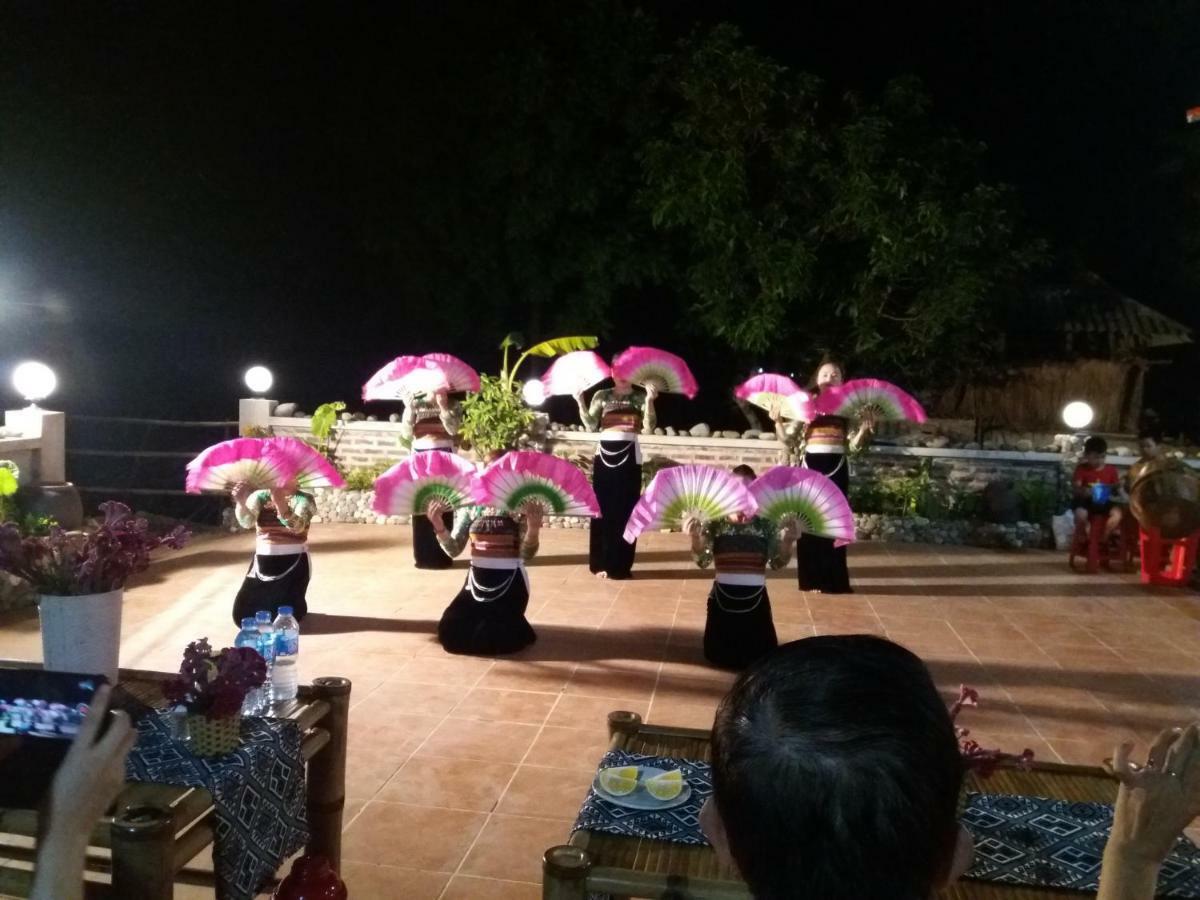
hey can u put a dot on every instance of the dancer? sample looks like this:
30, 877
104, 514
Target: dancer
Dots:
279, 571
619, 414
487, 617
823, 445
739, 628
429, 425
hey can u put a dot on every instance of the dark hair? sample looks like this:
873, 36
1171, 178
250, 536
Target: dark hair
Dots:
826, 360
836, 772
744, 471
1095, 444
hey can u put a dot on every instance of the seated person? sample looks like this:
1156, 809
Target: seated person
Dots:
837, 775
1095, 486
1151, 449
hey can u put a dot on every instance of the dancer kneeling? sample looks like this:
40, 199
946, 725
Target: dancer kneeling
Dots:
488, 615
739, 628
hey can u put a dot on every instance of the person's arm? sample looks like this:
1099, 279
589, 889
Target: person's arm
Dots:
1154, 804
779, 544
531, 528
242, 494
454, 539
1078, 488
300, 516
447, 413
589, 415
407, 422
649, 417
702, 541
863, 435
85, 786
247, 516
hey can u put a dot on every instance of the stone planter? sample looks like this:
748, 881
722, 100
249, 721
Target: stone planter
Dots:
82, 634
59, 500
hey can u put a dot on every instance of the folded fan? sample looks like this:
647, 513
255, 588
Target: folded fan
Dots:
810, 497
525, 476
771, 392
405, 377
649, 365
575, 372
300, 462
869, 395
700, 492
221, 466
459, 376
407, 487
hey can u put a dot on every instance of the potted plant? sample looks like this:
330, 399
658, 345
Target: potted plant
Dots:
212, 687
80, 579
496, 418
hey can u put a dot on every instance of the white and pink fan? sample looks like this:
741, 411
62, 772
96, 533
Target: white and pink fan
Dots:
406, 377
407, 487
812, 499
526, 476
770, 392
261, 463
701, 492
649, 365
459, 375
574, 373
300, 462
869, 395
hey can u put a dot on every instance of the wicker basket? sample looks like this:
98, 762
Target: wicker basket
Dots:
214, 737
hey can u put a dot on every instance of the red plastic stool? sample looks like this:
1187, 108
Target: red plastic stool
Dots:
1168, 561
1091, 546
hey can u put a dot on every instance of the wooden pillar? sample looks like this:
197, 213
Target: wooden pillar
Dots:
143, 854
327, 772
564, 873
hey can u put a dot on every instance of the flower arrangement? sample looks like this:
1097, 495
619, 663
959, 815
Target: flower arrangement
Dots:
63, 563
215, 685
978, 760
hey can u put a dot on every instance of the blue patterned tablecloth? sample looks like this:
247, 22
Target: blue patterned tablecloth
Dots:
258, 793
1018, 840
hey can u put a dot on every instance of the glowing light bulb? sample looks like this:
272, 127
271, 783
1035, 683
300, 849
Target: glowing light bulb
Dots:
259, 379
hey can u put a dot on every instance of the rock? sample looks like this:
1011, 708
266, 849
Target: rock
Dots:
751, 434
700, 431
358, 417
1025, 445
938, 441
659, 431
301, 414
394, 417
285, 410
971, 445
671, 432
766, 436
731, 435
346, 417
372, 418
1123, 451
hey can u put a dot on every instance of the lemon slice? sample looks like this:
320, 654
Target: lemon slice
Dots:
666, 786
619, 781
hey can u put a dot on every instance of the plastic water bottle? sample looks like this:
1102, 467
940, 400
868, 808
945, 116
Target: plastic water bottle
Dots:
285, 677
266, 646
249, 637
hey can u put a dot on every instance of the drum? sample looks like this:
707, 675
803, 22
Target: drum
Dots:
1167, 497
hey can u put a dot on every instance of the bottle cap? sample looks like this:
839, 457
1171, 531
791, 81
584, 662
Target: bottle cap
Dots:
263, 615
285, 610
248, 622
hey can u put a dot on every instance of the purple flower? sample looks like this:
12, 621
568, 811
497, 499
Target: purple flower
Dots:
215, 684
978, 760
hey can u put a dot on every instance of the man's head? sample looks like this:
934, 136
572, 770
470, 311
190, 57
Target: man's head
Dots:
1095, 449
836, 774
1148, 445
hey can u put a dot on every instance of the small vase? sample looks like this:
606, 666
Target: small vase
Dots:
82, 634
214, 737
311, 878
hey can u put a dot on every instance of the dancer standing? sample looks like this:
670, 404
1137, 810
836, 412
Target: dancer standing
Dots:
279, 571
739, 627
429, 425
620, 414
825, 441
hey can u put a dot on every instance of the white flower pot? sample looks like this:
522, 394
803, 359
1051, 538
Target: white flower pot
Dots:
82, 634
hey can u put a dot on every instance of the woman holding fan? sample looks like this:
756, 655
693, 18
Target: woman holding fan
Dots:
429, 425
279, 571
620, 414
825, 441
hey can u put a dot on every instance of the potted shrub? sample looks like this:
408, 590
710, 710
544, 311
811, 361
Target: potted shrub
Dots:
212, 688
80, 579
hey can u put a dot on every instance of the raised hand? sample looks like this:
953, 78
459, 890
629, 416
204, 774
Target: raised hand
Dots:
1158, 800
241, 492
651, 392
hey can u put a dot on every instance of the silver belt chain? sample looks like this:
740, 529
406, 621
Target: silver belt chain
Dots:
756, 595
607, 456
488, 594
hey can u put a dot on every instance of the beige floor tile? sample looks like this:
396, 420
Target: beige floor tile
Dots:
417, 837
546, 793
472, 739
511, 847
469, 784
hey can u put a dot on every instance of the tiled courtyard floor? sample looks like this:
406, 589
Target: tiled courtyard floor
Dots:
463, 770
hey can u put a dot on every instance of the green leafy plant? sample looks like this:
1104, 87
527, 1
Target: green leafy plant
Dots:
362, 478
9, 481
1038, 499
324, 428
258, 431
552, 347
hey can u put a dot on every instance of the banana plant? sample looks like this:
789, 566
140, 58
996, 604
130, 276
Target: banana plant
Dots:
553, 347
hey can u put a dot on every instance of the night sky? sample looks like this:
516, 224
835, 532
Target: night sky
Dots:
189, 188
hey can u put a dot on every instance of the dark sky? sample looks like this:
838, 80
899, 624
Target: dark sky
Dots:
188, 188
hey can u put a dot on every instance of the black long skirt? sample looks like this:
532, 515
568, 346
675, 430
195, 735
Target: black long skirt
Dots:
488, 615
739, 628
288, 586
427, 552
820, 565
617, 480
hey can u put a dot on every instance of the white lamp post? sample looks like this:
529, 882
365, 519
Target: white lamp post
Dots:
533, 392
34, 381
1077, 415
259, 379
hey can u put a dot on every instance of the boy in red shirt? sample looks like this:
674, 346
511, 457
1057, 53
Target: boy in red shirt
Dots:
1095, 485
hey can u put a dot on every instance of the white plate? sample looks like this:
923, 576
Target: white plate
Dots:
640, 798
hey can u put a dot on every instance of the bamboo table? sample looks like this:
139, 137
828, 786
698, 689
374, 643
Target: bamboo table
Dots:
641, 867
157, 829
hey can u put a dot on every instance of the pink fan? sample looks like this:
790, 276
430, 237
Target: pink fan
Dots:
460, 376
407, 487
525, 476
702, 492
574, 373
223, 465
772, 392
807, 496
300, 462
869, 395
406, 377
649, 365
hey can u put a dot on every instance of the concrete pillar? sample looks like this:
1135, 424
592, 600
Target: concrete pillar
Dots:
254, 412
50, 430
